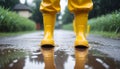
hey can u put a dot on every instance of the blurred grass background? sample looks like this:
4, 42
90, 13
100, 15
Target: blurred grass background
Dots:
106, 25
104, 19
12, 22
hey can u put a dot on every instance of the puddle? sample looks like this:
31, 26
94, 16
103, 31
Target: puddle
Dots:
22, 52
60, 59
5, 45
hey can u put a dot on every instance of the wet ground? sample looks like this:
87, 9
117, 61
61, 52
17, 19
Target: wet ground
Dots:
23, 52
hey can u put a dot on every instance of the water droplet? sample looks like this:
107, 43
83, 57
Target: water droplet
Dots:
15, 61
37, 53
34, 57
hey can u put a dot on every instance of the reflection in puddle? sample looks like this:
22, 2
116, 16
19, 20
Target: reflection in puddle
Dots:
10, 56
104, 64
70, 63
35, 63
60, 59
80, 58
48, 54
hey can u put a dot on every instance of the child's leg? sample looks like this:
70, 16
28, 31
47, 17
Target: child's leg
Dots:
49, 9
80, 8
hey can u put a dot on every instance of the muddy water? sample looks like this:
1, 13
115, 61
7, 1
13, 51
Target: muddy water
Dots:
46, 58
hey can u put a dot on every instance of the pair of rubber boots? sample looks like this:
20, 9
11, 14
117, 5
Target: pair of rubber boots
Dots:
79, 23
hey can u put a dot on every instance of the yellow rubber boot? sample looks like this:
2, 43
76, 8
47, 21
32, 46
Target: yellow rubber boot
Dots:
81, 25
88, 30
74, 28
80, 8
49, 22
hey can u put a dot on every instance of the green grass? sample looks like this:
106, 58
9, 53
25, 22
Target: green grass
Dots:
102, 33
7, 34
67, 26
106, 23
12, 22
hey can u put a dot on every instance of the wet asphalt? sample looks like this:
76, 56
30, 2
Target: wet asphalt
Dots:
24, 52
